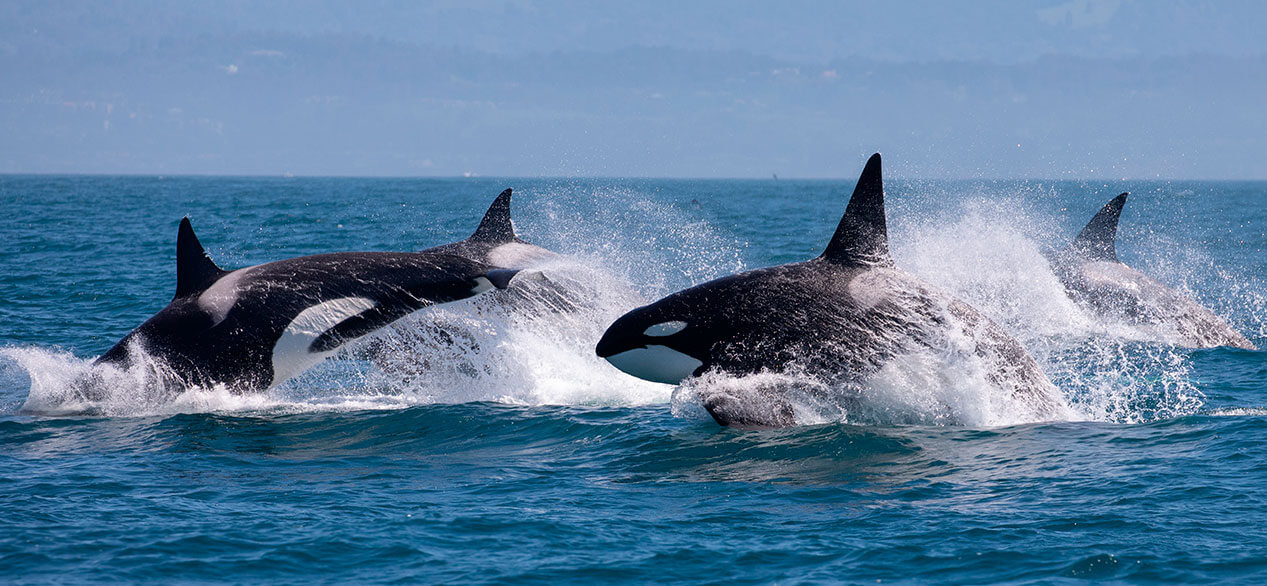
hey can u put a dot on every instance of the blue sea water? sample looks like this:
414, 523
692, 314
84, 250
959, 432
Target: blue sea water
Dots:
535, 462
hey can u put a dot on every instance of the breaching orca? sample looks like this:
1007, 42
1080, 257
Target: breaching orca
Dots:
1096, 279
840, 317
252, 328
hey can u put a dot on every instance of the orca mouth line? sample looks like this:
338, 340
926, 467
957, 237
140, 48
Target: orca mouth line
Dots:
605, 351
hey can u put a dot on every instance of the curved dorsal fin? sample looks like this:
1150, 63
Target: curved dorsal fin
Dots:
195, 271
862, 237
1097, 240
496, 225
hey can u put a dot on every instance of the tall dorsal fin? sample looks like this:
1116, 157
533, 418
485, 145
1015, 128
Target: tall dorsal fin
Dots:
195, 271
1097, 240
496, 225
862, 237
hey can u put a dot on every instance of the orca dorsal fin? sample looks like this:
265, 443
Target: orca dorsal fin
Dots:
195, 271
1097, 240
496, 226
862, 236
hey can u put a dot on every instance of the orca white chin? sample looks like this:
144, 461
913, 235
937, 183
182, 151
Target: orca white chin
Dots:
655, 363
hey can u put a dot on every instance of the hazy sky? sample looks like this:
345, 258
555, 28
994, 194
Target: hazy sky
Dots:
1015, 88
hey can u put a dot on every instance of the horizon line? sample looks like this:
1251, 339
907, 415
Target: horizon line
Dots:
611, 177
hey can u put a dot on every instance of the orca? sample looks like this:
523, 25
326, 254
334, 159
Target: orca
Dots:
1093, 276
840, 317
495, 242
255, 327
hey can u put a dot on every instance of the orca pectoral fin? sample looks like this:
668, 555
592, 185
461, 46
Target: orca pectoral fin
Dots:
749, 412
500, 278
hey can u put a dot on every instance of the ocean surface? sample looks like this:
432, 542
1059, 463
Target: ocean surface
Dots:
511, 453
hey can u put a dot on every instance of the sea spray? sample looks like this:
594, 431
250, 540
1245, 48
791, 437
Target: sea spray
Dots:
655, 246
532, 344
63, 384
948, 382
991, 255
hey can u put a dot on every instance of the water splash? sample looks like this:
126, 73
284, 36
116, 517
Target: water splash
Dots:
532, 344
950, 383
991, 256
62, 384
656, 247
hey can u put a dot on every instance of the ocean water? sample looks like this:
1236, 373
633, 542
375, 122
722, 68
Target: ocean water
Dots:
510, 453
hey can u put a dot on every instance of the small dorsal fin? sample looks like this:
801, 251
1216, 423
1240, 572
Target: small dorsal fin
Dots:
195, 271
862, 237
1097, 240
496, 225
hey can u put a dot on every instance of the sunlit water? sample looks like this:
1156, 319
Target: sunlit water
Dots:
483, 441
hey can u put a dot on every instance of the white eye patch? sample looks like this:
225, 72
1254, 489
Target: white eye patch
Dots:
667, 328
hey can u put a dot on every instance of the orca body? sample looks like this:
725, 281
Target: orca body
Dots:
1094, 277
840, 317
255, 327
